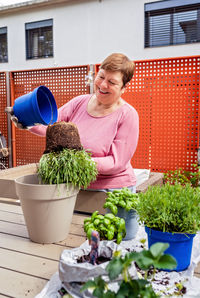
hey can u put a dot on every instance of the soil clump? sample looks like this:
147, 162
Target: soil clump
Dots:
86, 259
62, 135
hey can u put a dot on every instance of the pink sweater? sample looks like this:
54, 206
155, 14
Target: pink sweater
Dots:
112, 140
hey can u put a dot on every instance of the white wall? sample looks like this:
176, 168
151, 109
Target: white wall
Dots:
86, 32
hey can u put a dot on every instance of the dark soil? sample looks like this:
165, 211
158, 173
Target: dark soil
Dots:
149, 272
86, 259
181, 291
164, 281
62, 135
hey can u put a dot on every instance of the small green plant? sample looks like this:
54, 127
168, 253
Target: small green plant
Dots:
170, 208
109, 226
67, 166
183, 177
123, 198
129, 287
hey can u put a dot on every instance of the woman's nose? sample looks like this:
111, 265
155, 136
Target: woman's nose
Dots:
104, 84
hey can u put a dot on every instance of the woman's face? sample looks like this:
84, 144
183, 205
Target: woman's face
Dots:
108, 86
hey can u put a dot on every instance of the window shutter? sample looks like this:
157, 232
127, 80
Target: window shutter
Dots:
172, 25
39, 39
3, 45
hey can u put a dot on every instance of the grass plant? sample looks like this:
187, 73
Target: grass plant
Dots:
68, 166
170, 208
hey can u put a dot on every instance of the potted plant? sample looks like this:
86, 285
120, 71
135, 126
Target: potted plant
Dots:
123, 203
171, 214
48, 197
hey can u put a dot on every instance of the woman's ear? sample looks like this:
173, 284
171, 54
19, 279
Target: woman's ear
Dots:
123, 89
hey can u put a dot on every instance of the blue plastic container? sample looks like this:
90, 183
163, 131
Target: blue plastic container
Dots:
38, 106
180, 246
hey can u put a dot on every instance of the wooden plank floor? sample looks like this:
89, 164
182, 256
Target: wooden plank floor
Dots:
25, 266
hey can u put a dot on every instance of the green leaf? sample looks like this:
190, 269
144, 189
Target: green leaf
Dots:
98, 292
145, 260
125, 290
109, 294
114, 268
166, 262
90, 284
158, 248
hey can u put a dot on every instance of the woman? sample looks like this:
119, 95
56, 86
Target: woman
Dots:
107, 124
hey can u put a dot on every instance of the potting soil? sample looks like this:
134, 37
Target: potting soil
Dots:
62, 135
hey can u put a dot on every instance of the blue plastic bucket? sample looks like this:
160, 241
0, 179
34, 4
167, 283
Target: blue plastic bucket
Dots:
38, 106
180, 246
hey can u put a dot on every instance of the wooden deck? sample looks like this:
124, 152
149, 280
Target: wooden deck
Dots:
25, 266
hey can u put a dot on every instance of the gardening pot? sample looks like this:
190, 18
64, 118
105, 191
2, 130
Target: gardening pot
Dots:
47, 209
38, 106
180, 246
131, 222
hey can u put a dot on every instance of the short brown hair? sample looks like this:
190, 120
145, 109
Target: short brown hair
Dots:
119, 62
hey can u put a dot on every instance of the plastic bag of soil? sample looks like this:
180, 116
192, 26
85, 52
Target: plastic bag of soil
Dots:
74, 271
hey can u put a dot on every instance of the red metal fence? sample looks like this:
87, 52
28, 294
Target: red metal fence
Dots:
166, 95
165, 92
3, 117
65, 83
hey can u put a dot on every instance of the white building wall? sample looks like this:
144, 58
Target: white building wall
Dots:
85, 32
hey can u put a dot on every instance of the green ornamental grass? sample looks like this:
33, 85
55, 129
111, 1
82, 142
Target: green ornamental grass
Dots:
68, 166
170, 208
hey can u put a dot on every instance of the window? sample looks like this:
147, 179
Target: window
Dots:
39, 39
172, 22
3, 45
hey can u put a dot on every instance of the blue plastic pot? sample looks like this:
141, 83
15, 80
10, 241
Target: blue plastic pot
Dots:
131, 220
180, 246
38, 106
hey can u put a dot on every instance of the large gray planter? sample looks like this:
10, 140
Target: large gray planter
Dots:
47, 209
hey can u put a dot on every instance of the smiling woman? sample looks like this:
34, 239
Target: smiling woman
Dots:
108, 126
108, 90
114, 74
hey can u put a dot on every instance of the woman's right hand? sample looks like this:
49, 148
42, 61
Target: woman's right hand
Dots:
17, 123
14, 119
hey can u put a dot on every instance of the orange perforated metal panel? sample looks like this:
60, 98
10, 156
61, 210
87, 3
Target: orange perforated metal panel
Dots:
165, 92
3, 116
65, 83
